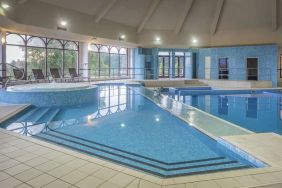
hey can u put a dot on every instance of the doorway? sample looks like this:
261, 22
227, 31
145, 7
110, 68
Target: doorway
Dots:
164, 62
252, 68
223, 72
179, 66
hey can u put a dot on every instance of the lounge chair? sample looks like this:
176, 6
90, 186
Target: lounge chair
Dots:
3, 81
56, 75
39, 76
19, 77
76, 77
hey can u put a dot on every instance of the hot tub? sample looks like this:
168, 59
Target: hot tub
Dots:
50, 94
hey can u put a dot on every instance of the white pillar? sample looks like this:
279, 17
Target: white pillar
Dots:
2, 53
83, 59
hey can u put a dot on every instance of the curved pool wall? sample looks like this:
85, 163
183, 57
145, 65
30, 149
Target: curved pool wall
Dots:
51, 98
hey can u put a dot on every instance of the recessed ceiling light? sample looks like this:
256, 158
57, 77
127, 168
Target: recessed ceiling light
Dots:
194, 41
122, 125
158, 39
122, 36
157, 119
5, 5
64, 23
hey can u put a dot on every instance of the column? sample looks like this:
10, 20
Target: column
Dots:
83, 59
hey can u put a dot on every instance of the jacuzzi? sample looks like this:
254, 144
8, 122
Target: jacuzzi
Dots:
50, 94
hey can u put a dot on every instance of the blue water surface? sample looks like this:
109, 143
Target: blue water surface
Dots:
128, 128
260, 111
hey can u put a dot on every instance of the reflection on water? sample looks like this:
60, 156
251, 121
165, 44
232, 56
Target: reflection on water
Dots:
112, 99
252, 107
256, 112
223, 105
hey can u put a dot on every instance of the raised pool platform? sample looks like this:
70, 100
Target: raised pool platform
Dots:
50, 94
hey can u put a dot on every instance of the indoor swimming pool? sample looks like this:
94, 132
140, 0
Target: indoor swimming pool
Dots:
125, 126
256, 110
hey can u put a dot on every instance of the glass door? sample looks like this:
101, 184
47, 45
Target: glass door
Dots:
164, 62
223, 72
252, 68
179, 67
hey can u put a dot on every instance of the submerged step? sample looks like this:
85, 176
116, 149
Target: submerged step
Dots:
139, 164
88, 143
50, 115
27, 115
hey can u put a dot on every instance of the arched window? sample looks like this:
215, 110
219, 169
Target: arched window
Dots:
15, 39
114, 62
104, 49
36, 42
54, 55
15, 52
123, 62
123, 51
93, 48
36, 54
54, 43
25, 51
70, 56
71, 46
114, 50
104, 61
93, 59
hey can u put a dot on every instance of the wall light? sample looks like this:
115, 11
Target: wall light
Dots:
158, 39
3, 40
5, 6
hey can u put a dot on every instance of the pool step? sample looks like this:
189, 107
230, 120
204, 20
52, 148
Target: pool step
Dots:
35, 117
26, 115
50, 115
143, 164
133, 156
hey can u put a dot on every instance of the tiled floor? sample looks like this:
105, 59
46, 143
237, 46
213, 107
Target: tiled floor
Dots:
27, 162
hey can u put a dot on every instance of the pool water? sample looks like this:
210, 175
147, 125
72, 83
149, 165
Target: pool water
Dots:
260, 111
127, 128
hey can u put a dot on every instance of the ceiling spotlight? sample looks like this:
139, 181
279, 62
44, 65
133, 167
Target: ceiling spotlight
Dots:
5, 5
194, 41
122, 36
158, 39
157, 119
122, 125
64, 23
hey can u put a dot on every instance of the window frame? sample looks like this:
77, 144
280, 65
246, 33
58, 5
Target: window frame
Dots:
109, 52
26, 38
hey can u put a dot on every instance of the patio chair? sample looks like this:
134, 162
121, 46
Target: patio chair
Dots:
55, 73
76, 77
39, 76
19, 77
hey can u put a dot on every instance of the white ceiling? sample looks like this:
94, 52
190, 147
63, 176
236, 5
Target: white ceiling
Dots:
237, 14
